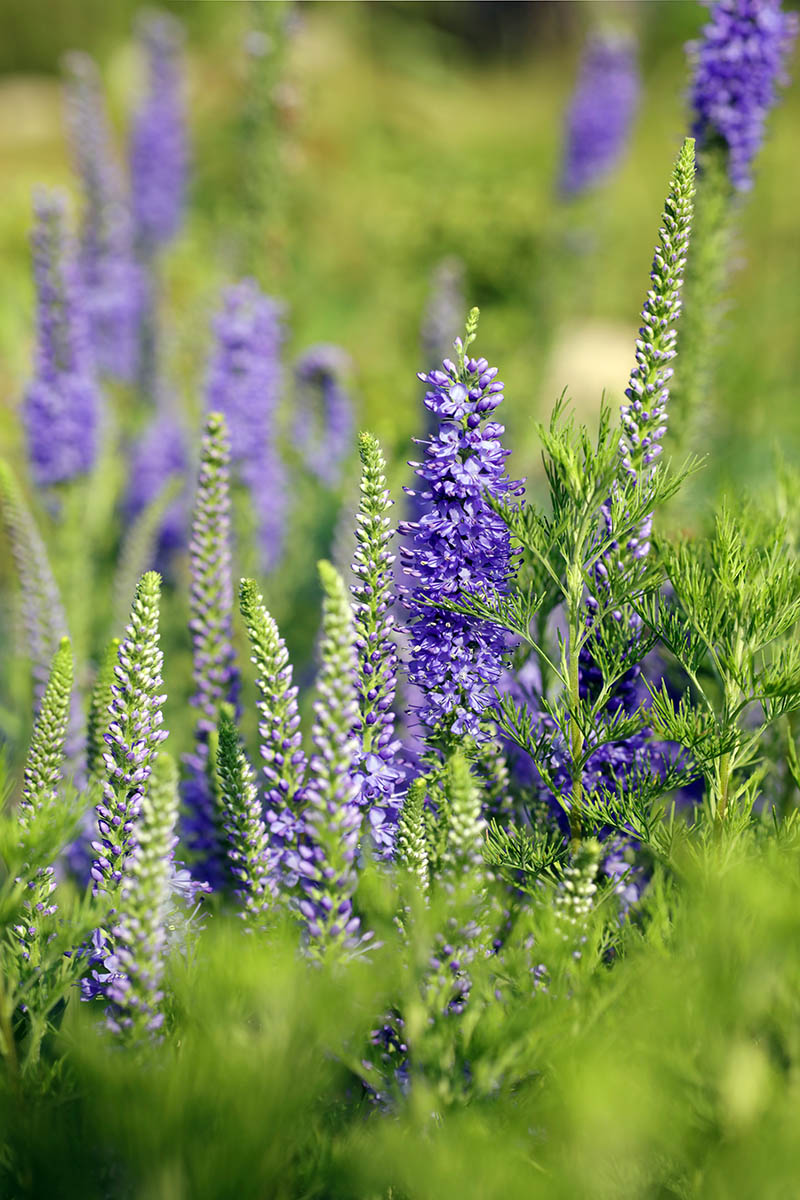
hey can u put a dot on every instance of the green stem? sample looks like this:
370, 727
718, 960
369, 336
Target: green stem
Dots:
576, 734
723, 785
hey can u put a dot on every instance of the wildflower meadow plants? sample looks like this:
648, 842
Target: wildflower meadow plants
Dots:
497, 893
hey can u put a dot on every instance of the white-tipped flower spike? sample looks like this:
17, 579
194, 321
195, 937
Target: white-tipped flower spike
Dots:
40, 796
376, 676
43, 611
325, 862
216, 678
284, 763
574, 899
466, 828
248, 840
412, 849
140, 938
644, 417
133, 737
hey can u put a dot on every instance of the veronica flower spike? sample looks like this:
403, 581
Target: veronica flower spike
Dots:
42, 609
376, 648
216, 678
738, 63
601, 113
158, 146
112, 279
61, 404
247, 836
644, 416
326, 859
459, 545
283, 759
133, 737
136, 966
40, 796
324, 424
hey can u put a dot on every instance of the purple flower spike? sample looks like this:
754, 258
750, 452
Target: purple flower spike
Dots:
216, 678
326, 858
61, 405
379, 777
324, 424
133, 737
244, 384
460, 545
113, 281
600, 116
158, 147
136, 951
284, 762
738, 64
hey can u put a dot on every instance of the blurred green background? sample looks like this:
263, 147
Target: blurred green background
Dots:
408, 132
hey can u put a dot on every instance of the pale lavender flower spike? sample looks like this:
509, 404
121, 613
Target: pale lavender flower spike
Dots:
159, 143
113, 280
61, 404
600, 116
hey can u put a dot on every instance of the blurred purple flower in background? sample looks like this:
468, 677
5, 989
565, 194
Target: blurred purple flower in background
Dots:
244, 383
324, 420
160, 453
738, 64
159, 143
599, 119
113, 281
61, 404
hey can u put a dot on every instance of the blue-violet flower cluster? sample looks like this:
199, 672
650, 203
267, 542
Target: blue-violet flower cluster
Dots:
738, 64
459, 546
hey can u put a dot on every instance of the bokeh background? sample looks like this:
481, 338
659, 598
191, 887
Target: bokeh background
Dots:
397, 135
408, 132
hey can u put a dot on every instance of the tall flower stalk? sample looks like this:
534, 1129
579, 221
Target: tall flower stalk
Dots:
643, 425
134, 989
42, 610
459, 544
246, 832
376, 676
283, 759
326, 858
61, 404
112, 278
736, 66
216, 678
40, 797
132, 740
